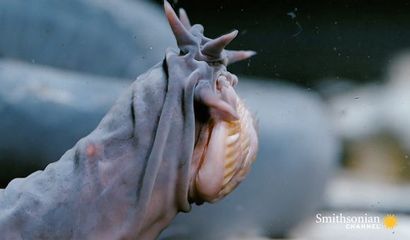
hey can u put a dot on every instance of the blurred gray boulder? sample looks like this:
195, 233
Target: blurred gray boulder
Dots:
119, 38
298, 153
372, 110
45, 111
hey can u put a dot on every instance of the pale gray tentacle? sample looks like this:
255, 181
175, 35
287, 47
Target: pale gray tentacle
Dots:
183, 17
216, 46
236, 56
182, 35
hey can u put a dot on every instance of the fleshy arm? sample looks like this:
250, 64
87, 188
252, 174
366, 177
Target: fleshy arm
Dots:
124, 180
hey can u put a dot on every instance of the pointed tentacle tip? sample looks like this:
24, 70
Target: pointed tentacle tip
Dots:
182, 11
234, 33
181, 33
236, 56
169, 11
228, 38
183, 17
250, 53
216, 46
244, 54
167, 5
185, 34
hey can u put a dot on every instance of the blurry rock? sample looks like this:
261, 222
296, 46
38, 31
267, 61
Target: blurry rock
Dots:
349, 191
374, 122
358, 113
374, 109
119, 38
396, 107
298, 153
44, 112
370, 149
329, 87
378, 158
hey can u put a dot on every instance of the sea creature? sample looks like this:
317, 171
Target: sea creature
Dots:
295, 161
179, 135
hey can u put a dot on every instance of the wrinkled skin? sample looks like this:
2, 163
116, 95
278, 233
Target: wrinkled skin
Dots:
91, 191
129, 177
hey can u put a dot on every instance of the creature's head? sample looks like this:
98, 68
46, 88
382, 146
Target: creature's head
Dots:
226, 140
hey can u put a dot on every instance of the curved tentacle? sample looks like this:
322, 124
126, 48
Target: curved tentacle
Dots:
183, 17
216, 46
182, 35
187, 35
235, 56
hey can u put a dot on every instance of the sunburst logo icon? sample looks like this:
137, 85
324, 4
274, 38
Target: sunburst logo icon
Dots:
390, 221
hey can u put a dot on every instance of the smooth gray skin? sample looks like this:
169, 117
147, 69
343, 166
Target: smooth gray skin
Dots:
116, 183
118, 38
297, 149
298, 153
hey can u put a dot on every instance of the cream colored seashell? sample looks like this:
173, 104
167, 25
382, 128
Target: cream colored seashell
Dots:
226, 151
239, 154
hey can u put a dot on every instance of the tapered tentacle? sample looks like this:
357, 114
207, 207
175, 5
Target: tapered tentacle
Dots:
186, 35
216, 46
182, 35
183, 17
235, 56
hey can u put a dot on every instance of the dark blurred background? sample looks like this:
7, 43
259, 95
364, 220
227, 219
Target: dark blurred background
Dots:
306, 41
